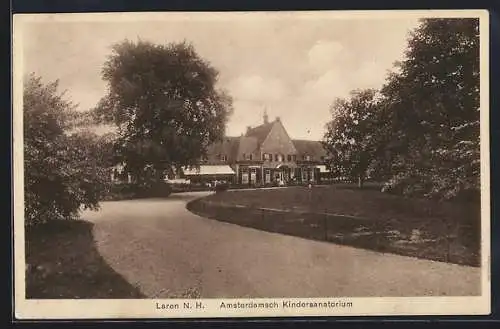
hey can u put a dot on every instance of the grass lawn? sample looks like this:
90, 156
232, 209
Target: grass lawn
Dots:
442, 231
63, 262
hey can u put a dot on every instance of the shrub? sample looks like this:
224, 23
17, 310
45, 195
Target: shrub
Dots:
131, 190
64, 167
155, 190
221, 187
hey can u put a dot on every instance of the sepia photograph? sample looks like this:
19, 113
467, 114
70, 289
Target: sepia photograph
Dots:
251, 164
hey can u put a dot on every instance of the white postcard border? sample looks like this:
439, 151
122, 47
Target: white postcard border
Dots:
116, 309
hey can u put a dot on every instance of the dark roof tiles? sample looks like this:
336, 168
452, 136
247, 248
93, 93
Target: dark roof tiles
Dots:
247, 145
228, 147
307, 147
260, 132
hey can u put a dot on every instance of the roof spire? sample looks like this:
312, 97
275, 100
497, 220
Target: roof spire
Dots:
266, 118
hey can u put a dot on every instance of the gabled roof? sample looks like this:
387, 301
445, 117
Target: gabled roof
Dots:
247, 145
312, 148
235, 147
260, 132
228, 146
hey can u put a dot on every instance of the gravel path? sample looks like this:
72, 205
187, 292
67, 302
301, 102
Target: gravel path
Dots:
168, 252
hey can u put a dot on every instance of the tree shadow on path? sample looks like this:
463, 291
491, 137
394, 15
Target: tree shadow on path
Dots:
62, 262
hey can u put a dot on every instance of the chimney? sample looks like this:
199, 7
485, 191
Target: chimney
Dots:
278, 119
266, 118
248, 129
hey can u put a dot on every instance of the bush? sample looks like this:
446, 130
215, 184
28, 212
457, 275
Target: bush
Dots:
126, 191
120, 192
221, 187
155, 190
64, 167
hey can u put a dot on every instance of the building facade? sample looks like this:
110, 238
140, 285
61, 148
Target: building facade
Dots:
264, 155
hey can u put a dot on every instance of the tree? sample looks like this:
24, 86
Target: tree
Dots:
432, 105
351, 135
164, 101
64, 167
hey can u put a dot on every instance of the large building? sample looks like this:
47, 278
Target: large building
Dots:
264, 155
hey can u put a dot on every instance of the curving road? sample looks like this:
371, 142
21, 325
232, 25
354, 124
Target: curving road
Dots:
168, 252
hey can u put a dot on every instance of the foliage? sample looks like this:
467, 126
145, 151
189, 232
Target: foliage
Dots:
125, 191
221, 187
351, 135
64, 167
423, 137
164, 102
433, 108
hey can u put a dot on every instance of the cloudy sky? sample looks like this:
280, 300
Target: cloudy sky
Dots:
294, 66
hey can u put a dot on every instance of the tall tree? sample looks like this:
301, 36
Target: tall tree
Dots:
164, 101
432, 102
351, 136
64, 167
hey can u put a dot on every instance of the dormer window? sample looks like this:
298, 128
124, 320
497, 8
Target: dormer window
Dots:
266, 156
223, 157
289, 157
307, 157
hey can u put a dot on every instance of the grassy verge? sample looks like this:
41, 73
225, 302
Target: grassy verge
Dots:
447, 232
62, 262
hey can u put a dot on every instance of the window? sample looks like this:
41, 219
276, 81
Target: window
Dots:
251, 157
253, 175
289, 158
307, 157
267, 156
244, 156
322, 158
275, 157
223, 157
244, 177
280, 158
294, 157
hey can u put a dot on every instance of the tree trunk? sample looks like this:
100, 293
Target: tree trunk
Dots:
158, 174
360, 181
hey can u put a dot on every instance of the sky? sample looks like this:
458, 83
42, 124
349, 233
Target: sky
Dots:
293, 66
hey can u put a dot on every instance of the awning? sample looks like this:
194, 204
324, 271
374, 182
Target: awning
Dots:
323, 169
208, 170
286, 165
